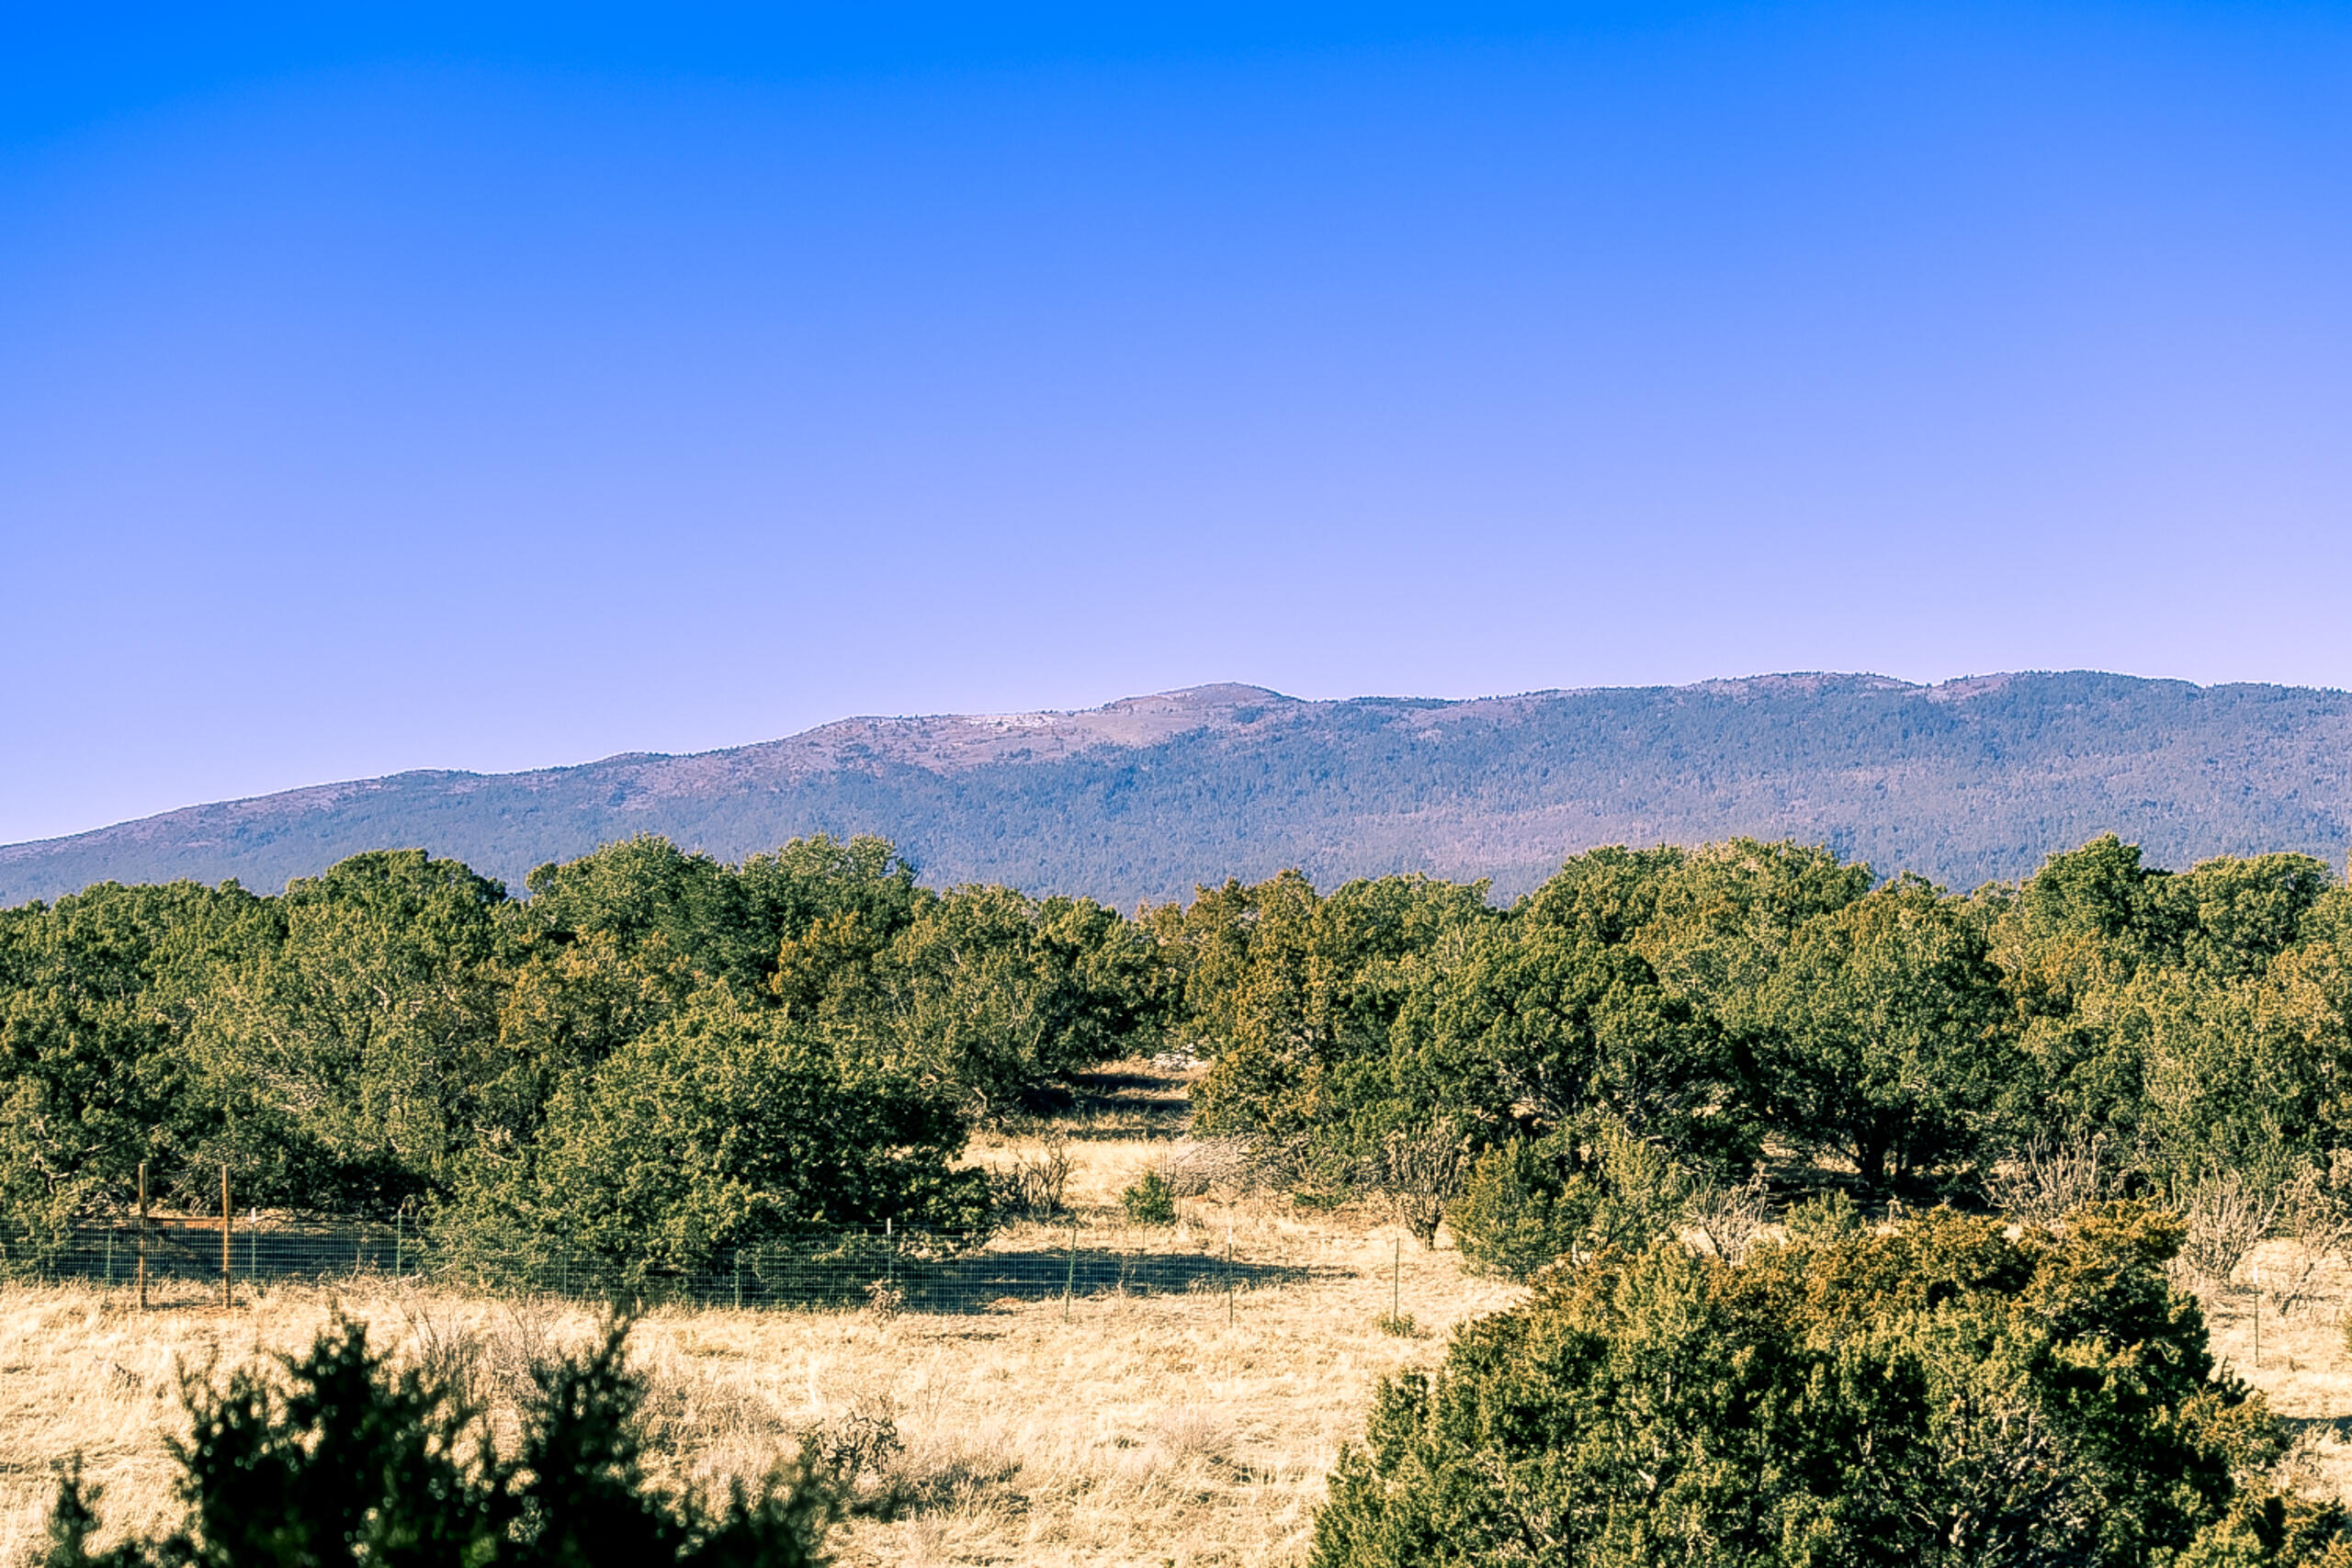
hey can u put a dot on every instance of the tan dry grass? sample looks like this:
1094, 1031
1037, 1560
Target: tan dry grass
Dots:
1100, 1168
1145, 1429
1127, 1116
2303, 1369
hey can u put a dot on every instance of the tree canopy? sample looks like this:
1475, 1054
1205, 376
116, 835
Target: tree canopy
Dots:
399, 1034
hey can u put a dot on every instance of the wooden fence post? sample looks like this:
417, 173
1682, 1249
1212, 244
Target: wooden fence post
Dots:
228, 1294
142, 1235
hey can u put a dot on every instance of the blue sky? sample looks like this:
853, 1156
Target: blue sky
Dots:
501, 388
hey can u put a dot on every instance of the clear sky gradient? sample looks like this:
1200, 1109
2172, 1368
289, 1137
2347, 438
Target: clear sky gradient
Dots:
421, 389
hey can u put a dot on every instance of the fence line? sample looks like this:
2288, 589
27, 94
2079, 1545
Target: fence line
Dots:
913, 1271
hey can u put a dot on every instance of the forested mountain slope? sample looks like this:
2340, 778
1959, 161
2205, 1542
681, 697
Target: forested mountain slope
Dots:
1963, 781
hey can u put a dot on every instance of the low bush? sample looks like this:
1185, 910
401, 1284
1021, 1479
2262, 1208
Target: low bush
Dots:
1930, 1394
1035, 1186
1520, 1209
1150, 1201
336, 1457
1529, 1202
1196, 1166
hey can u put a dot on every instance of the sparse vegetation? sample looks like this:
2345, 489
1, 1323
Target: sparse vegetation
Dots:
1150, 1201
2226, 1215
335, 1456
1611, 1086
1143, 1427
1032, 1186
1728, 1221
2316, 1213
2048, 1180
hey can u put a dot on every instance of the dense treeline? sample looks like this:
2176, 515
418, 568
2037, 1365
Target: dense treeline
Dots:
1709, 1005
653, 1054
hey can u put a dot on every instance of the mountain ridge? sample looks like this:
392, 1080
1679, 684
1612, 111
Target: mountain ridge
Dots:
1962, 780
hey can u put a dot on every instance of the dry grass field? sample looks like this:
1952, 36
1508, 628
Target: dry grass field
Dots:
1150, 1430
2302, 1368
1145, 1428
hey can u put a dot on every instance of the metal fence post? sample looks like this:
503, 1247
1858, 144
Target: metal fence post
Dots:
1070, 1284
228, 1292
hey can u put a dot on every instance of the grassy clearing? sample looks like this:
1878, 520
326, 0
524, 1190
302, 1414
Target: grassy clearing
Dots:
1145, 1429
2303, 1369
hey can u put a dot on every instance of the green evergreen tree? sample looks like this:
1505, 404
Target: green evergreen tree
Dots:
1934, 1394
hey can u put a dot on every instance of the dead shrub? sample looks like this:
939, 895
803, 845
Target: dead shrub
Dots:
1421, 1170
2041, 1184
2315, 1210
1036, 1185
1193, 1168
2227, 1215
1729, 1219
1193, 1431
859, 1446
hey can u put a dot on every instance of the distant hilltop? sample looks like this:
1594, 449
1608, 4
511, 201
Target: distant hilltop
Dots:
1964, 781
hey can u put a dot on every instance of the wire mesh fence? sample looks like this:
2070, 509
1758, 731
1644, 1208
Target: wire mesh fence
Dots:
888, 1268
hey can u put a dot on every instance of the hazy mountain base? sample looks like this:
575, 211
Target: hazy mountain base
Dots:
1964, 783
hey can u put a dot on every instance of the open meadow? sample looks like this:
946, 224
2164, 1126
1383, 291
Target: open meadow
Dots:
1133, 1426
1125, 1426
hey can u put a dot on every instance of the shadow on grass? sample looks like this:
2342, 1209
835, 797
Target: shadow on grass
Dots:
984, 1279
908, 1274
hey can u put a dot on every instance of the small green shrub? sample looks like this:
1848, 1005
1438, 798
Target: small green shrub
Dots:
1528, 1204
1825, 1220
1400, 1326
337, 1458
1520, 1209
1150, 1201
